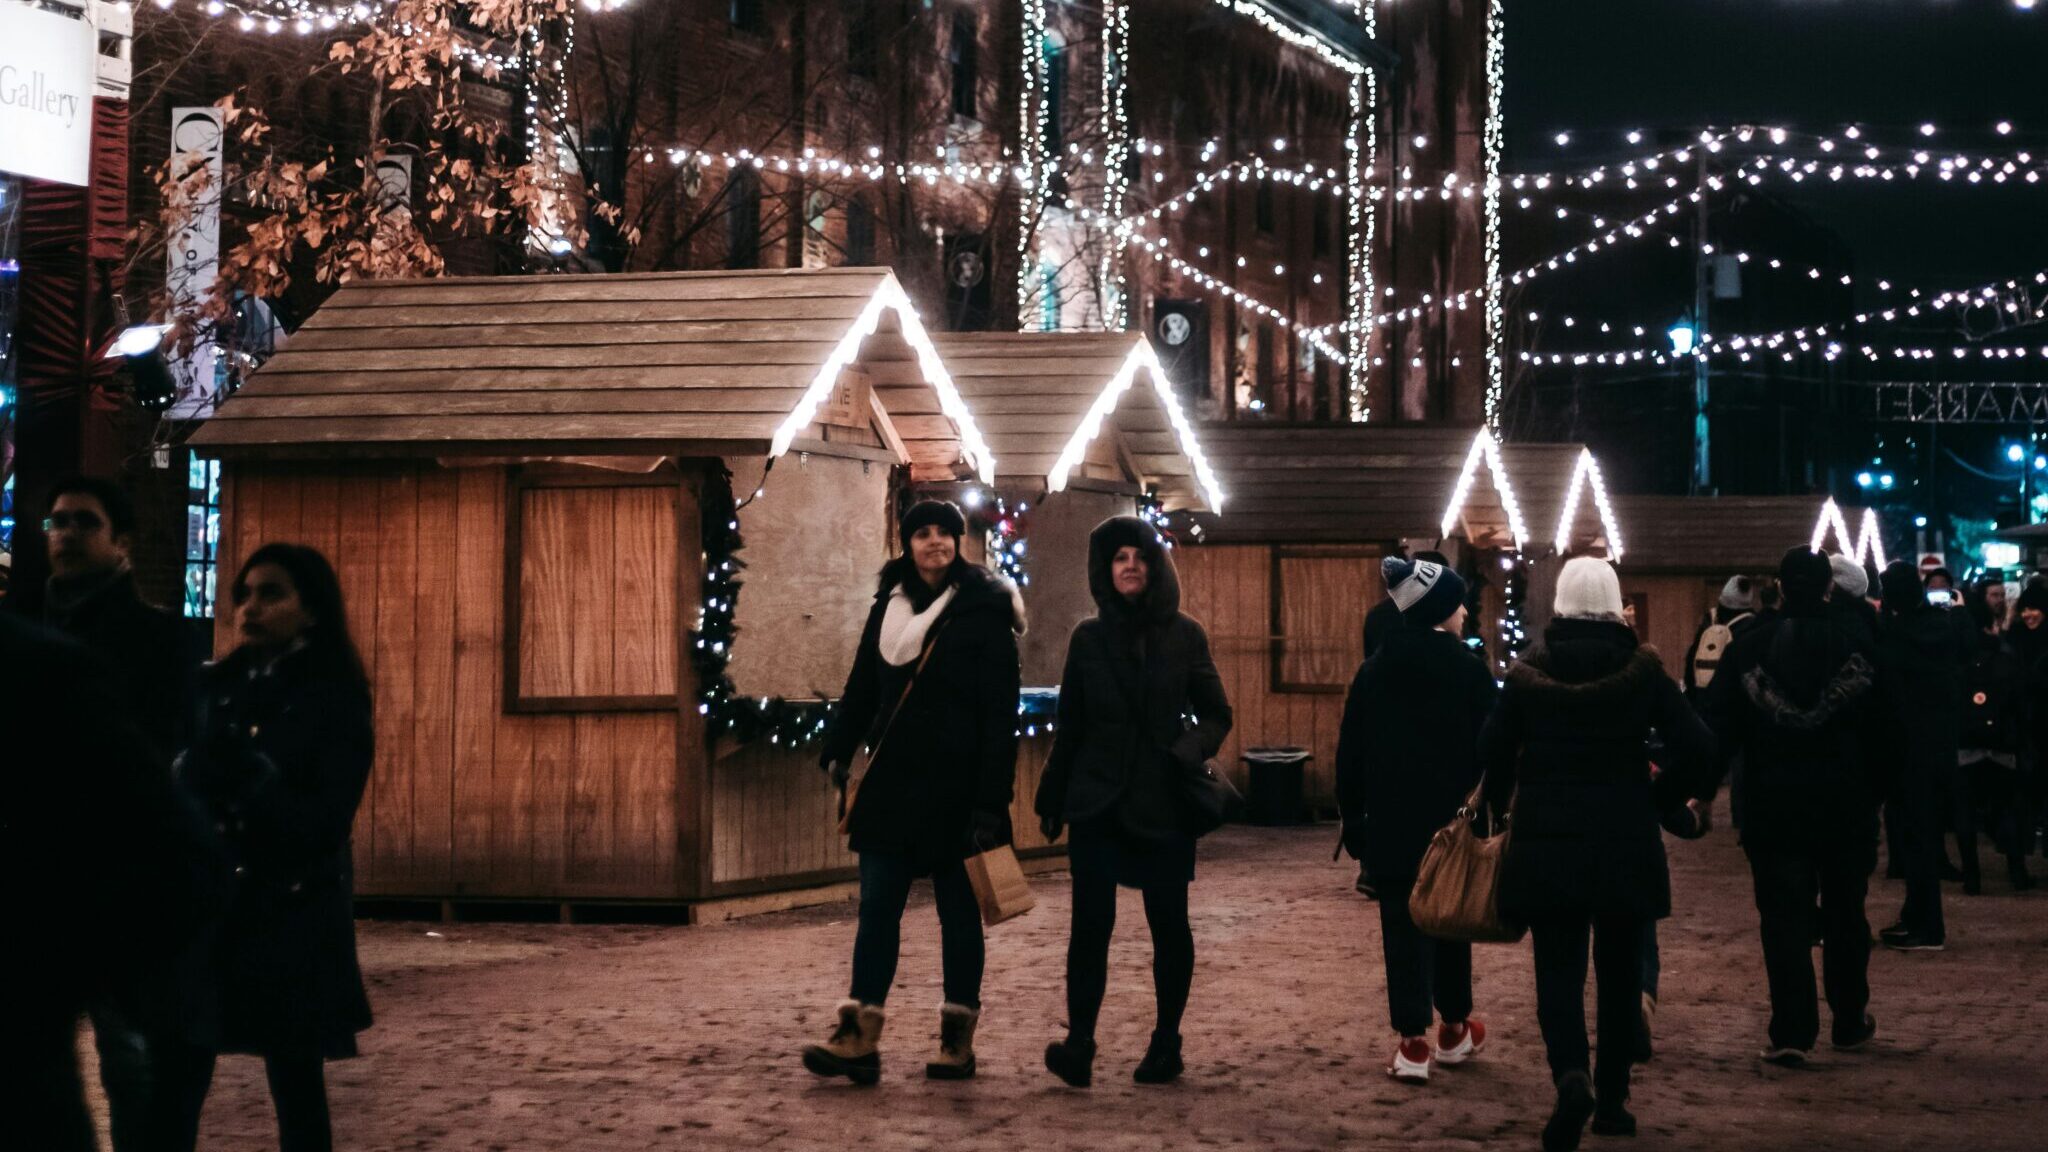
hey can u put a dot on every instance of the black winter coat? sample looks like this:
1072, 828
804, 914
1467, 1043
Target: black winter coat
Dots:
1140, 700
1921, 654
1382, 621
951, 753
1799, 703
1569, 742
149, 656
280, 757
1406, 758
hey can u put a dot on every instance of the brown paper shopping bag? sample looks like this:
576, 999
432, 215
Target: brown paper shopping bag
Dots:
999, 885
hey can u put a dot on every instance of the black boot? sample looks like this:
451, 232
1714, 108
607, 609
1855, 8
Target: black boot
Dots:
1072, 1060
1162, 1063
1613, 1119
2016, 869
1568, 1121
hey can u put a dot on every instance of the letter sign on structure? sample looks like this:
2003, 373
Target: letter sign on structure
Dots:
46, 83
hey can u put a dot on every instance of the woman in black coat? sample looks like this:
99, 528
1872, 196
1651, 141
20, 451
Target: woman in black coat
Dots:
1406, 761
282, 747
1141, 706
933, 696
1567, 749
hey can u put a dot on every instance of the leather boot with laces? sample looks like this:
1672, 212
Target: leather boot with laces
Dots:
956, 1043
853, 1051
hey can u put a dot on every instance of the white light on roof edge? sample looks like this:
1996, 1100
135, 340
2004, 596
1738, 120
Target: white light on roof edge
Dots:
1142, 356
891, 296
1868, 542
1485, 447
1587, 467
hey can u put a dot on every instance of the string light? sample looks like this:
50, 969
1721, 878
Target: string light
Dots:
1116, 47
1142, 358
1363, 223
1329, 52
1032, 113
1494, 142
1485, 448
1587, 472
1868, 543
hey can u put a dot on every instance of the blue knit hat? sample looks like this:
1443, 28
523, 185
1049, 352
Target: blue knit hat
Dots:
1426, 592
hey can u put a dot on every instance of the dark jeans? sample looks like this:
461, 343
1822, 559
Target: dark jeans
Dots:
1786, 884
1927, 800
124, 1075
2001, 793
884, 890
298, 1090
1422, 971
1560, 947
1173, 951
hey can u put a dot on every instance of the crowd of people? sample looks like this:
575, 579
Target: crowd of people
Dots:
205, 811
187, 826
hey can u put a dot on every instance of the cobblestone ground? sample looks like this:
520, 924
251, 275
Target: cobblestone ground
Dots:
588, 1038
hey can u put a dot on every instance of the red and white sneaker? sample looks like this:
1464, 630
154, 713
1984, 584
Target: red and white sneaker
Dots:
1457, 1043
1410, 1064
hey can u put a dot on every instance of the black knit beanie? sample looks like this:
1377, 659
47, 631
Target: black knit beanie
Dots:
1805, 577
943, 513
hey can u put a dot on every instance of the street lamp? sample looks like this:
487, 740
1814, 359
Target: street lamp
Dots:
1865, 480
2015, 452
1683, 337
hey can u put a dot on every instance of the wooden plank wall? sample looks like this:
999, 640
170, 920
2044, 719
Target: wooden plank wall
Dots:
597, 594
1228, 588
464, 800
774, 822
1677, 605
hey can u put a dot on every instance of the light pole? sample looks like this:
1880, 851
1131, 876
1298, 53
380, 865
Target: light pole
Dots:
1702, 447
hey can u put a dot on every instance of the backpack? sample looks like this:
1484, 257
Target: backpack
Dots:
1706, 655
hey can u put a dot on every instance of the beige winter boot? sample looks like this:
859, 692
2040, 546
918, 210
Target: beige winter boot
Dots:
853, 1050
956, 1043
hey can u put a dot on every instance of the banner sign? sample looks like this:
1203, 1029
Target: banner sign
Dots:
194, 251
46, 84
1961, 403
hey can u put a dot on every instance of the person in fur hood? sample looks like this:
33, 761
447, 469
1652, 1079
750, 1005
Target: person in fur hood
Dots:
1566, 749
933, 697
1141, 704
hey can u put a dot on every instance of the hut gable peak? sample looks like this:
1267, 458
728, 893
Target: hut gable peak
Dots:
1586, 478
1866, 545
1486, 450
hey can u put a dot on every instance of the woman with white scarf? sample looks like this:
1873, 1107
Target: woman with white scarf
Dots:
933, 698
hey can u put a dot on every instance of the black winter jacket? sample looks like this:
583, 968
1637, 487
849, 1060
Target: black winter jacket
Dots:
952, 751
1140, 699
149, 656
1921, 654
1569, 742
280, 757
1406, 758
1799, 704
1382, 621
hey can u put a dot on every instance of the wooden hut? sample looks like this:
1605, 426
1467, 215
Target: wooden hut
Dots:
1682, 550
513, 475
1082, 426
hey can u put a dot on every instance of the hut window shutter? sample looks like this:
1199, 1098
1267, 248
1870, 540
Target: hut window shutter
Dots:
1321, 596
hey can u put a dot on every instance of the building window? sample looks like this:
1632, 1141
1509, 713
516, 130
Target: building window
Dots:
746, 16
1048, 296
1325, 226
964, 54
1319, 597
1262, 397
743, 219
202, 535
862, 47
860, 233
1055, 95
1262, 206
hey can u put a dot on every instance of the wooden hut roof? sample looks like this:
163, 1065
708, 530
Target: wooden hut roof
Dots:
1320, 483
1041, 397
1717, 535
630, 363
1563, 498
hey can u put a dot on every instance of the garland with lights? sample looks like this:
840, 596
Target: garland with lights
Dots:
728, 716
1006, 528
1514, 635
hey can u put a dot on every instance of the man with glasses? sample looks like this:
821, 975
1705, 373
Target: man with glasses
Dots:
147, 663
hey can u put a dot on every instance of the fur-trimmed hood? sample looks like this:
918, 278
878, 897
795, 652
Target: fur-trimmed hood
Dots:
1586, 660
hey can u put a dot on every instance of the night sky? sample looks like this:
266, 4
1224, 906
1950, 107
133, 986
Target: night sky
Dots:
1597, 68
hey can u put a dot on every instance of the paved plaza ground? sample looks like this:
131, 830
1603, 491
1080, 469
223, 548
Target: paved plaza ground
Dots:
595, 1037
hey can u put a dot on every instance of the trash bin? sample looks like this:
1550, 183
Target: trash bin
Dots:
1277, 790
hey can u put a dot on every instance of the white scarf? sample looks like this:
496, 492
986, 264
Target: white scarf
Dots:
904, 628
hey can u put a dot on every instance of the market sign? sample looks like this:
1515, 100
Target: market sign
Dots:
46, 84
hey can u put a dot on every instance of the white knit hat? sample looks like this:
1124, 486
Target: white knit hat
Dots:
1588, 589
1849, 575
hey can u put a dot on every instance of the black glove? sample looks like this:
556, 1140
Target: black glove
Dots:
986, 829
1052, 826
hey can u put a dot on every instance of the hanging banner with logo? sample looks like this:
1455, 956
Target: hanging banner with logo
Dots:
194, 255
46, 83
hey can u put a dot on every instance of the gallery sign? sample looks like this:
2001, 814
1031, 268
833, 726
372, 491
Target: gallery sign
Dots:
46, 85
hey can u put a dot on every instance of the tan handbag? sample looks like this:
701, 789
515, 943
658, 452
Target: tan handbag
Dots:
999, 884
1457, 888
865, 759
